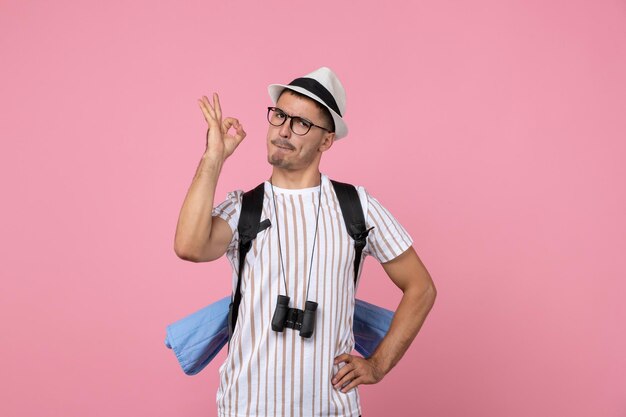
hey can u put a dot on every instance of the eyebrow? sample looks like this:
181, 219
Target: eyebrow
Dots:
299, 117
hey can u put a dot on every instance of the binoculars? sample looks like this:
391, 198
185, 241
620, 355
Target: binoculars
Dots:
294, 318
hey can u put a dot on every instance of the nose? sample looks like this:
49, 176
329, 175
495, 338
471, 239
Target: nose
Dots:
285, 129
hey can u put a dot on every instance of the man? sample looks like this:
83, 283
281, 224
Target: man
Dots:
306, 254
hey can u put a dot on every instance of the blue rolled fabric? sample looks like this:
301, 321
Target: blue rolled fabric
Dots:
370, 325
197, 338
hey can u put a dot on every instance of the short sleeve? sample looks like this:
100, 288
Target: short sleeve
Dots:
229, 210
388, 239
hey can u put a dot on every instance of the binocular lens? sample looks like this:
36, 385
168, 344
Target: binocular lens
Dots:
308, 321
280, 314
293, 317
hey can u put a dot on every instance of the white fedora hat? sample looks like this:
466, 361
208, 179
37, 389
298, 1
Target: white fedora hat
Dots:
323, 86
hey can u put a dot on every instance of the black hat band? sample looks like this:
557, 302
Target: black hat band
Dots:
319, 90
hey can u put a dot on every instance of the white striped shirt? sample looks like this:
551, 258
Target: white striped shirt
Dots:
268, 373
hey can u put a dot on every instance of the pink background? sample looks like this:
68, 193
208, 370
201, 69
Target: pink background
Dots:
493, 130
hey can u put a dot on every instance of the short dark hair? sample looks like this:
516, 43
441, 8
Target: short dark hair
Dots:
327, 118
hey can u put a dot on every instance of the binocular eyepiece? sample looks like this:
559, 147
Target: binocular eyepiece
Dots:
294, 318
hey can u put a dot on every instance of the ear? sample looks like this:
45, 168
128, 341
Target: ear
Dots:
327, 141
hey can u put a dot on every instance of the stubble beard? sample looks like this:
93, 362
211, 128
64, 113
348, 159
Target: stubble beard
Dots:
285, 163
278, 162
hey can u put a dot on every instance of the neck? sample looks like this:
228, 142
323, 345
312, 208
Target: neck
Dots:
295, 179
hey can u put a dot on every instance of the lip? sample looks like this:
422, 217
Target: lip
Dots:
283, 147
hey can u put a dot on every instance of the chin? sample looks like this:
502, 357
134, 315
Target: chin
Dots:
277, 162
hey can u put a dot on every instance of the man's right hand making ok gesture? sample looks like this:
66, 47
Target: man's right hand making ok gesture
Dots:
219, 143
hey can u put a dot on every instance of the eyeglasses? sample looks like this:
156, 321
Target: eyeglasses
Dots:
298, 125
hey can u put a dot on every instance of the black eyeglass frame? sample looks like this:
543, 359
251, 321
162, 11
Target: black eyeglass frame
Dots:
287, 116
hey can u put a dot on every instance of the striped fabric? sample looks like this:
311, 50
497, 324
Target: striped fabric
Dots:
267, 373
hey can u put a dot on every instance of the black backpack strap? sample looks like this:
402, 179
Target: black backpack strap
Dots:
248, 227
352, 212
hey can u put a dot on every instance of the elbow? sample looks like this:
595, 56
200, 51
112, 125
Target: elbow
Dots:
190, 254
185, 253
185, 256
430, 290
426, 292
432, 293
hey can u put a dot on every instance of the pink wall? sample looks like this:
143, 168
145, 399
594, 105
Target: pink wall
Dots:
493, 130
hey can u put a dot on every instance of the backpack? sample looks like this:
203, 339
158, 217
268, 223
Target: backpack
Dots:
250, 225
197, 338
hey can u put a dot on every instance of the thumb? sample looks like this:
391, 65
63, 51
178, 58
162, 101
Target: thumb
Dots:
241, 134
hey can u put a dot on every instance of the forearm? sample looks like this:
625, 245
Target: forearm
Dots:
194, 222
408, 319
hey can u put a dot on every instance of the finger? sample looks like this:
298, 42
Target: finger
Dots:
229, 122
240, 134
346, 379
216, 105
343, 358
205, 111
206, 102
208, 109
355, 382
342, 372
211, 108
